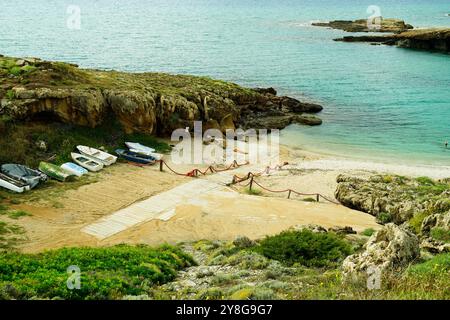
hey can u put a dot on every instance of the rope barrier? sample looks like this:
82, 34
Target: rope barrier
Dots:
196, 172
251, 176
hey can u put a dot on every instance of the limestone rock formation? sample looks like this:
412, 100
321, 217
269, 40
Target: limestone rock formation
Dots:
393, 198
151, 103
361, 25
435, 39
390, 248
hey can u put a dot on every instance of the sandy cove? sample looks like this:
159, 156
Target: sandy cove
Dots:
221, 213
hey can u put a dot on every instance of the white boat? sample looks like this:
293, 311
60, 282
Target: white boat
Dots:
144, 150
156, 156
138, 146
98, 155
87, 162
74, 169
12, 184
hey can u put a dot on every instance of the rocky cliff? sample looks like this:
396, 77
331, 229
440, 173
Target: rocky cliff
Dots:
422, 39
361, 25
152, 103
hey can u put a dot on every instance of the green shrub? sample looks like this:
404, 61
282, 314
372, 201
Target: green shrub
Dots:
384, 217
16, 71
425, 181
305, 247
253, 192
368, 232
10, 94
416, 221
440, 234
106, 273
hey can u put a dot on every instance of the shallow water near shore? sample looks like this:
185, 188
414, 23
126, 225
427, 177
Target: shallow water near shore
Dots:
380, 102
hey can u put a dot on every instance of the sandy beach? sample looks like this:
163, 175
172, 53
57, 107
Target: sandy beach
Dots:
223, 212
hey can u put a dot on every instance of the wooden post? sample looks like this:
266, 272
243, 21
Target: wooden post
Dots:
317, 197
251, 184
289, 194
161, 165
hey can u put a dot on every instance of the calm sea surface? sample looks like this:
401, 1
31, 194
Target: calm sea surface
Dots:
380, 102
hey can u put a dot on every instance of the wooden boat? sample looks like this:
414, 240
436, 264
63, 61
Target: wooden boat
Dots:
141, 149
24, 174
87, 162
135, 157
74, 169
55, 172
12, 184
138, 146
104, 157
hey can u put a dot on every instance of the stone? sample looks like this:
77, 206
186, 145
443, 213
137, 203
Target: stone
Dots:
390, 248
342, 230
361, 25
434, 246
308, 120
42, 145
20, 63
312, 227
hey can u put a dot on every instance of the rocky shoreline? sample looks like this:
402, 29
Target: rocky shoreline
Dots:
423, 39
361, 25
151, 103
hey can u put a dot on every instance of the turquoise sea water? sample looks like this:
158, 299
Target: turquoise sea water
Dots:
380, 102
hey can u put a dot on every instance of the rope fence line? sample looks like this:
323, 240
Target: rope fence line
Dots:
251, 176
196, 172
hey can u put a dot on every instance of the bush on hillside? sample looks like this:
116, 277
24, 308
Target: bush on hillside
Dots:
305, 247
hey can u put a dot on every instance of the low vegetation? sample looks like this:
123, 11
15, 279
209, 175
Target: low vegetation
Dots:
106, 273
305, 247
30, 143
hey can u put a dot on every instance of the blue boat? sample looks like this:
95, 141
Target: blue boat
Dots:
135, 157
74, 169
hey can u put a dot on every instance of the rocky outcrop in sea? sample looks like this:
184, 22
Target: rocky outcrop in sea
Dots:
362, 25
436, 39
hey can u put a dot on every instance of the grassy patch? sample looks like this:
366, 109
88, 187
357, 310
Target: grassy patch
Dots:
384, 217
10, 236
368, 232
440, 234
305, 247
106, 273
19, 144
416, 221
253, 191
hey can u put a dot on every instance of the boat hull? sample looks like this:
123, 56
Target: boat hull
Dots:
13, 185
55, 172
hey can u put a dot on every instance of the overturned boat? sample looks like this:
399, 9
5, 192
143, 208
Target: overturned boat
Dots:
23, 173
135, 157
55, 172
141, 149
74, 169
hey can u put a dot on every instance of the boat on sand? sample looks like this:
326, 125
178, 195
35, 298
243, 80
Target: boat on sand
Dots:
141, 149
55, 172
12, 184
74, 169
87, 162
135, 157
102, 156
23, 173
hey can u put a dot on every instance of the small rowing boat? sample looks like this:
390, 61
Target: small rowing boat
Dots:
23, 173
141, 149
12, 184
87, 162
74, 169
104, 157
55, 172
135, 157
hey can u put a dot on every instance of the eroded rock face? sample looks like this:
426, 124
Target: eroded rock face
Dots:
148, 103
392, 198
390, 248
421, 39
361, 25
